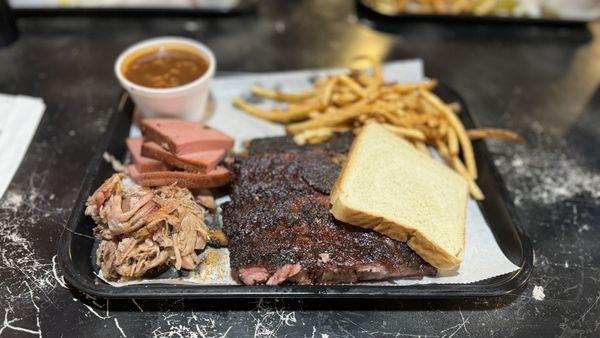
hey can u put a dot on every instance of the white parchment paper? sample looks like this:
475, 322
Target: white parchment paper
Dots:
483, 257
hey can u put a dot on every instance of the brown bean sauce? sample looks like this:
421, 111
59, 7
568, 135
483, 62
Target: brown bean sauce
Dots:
165, 67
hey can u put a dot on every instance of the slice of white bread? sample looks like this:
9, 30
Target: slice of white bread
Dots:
389, 186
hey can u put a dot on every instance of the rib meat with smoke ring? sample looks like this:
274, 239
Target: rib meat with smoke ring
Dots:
280, 229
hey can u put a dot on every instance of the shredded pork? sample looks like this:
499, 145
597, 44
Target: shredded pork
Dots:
142, 229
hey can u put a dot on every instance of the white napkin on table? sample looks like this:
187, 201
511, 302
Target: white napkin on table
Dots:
19, 118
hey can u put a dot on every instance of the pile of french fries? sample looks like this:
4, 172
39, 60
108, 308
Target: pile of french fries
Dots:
474, 7
349, 100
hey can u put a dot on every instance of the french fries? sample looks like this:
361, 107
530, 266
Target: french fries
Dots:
347, 101
452, 142
477, 134
326, 98
473, 187
294, 113
473, 7
282, 96
422, 147
410, 133
315, 136
463, 139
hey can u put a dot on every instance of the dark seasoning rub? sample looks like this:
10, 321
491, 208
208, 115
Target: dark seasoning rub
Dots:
280, 228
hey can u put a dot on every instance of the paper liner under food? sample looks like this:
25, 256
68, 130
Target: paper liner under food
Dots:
483, 258
213, 270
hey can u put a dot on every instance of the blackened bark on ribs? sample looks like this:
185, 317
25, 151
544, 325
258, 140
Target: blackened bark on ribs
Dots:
280, 228
339, 143
285, 174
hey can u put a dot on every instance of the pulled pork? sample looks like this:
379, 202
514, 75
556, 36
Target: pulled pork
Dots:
141, 229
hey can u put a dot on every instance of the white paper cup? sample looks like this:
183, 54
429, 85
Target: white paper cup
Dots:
187, 101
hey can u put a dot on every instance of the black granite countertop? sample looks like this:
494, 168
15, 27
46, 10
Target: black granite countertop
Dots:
540, 81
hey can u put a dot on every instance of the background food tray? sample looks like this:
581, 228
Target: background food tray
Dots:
135, 8
367, 12
75, 250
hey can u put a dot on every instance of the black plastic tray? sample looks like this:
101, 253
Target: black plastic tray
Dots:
244, 7
74, 251
372, 13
